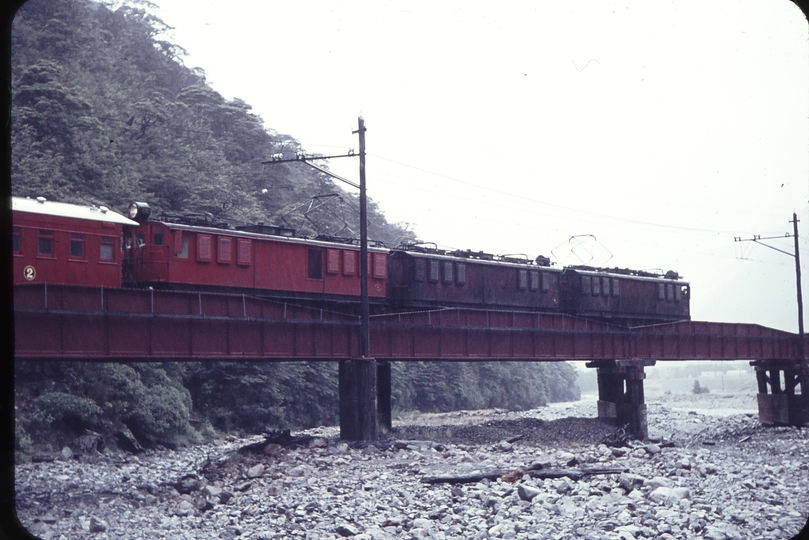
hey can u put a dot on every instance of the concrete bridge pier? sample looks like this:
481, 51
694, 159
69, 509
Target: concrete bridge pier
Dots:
620, 393
364, 393
781, 404
383, 410
357, 378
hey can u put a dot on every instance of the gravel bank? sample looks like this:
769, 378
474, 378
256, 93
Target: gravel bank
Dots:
713, 473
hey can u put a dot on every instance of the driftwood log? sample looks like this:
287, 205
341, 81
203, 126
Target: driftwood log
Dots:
284, 438
573, 474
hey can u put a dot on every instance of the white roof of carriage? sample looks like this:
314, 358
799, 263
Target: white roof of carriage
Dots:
95, 213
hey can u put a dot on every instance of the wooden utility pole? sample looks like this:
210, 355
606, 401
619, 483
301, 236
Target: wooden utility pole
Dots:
362, 413
365, 337
800, 294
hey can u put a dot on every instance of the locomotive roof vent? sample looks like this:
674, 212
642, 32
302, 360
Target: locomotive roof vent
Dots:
103, 209
139, 211
41, 200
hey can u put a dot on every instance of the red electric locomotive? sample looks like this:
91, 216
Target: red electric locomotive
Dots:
269, 262
66, 243
423, 277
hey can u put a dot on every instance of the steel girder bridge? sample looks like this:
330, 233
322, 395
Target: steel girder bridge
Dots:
59, 322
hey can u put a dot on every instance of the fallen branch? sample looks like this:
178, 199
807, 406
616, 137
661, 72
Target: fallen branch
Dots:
283, 438
573, 474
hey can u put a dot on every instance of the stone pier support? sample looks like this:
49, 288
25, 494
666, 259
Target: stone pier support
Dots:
782, 404
620, 393
358, 399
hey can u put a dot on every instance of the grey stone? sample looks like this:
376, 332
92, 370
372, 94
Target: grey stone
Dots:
255, 471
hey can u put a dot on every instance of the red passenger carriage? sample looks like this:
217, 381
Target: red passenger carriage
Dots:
63, 243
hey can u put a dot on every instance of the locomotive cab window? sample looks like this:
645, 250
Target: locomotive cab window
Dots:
522, 279
669, 292
204, 247
224, 249
349, 263
158, 239
380, 266
76, 246
333, 261
420, 270
534, 280
448, 272
544, 282
434, 271
460, 275
596, 286
605, 286
45, 246
243, 257
585, 285
107, 249
616, 287
661, 291
315, 264
180, 245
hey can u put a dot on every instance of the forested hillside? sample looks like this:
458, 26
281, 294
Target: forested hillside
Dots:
106, 112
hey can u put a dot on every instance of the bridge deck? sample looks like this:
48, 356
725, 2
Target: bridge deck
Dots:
90, 323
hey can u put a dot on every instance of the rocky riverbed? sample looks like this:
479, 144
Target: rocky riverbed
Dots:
709, 471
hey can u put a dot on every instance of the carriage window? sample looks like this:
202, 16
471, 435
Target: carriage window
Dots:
140, 239
15, 240
315, 266
615, 287
460, 275
605, 286
596, 286
45, 242
107, 249
434, 271
420, 270
661, 291
349, 263
585, 284
522, 279
77, 246
534, 280
158, 238
448, 272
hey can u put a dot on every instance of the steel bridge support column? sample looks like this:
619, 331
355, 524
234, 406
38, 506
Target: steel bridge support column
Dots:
621, 399
358, 399
782, 406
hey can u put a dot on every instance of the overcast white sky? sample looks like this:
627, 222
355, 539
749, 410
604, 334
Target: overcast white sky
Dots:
663, 128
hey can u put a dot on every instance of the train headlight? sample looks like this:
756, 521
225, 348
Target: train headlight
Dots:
139, 211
